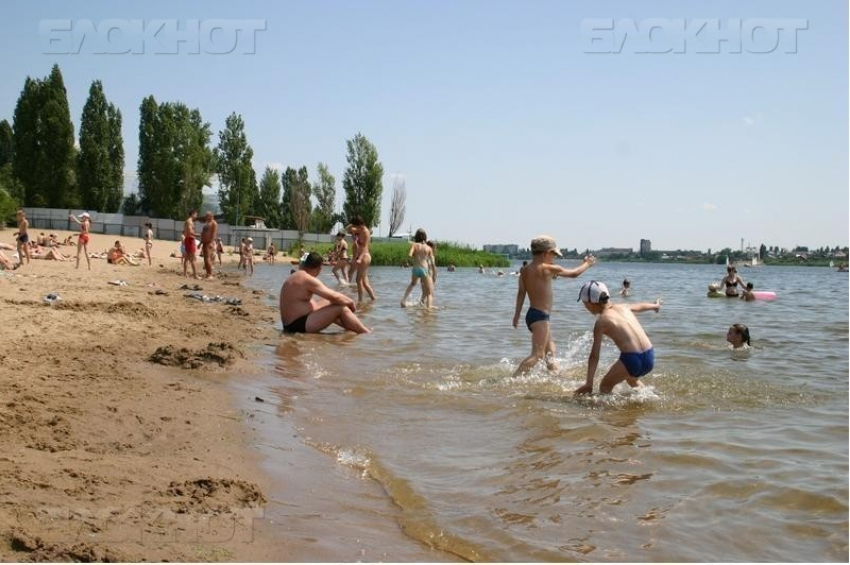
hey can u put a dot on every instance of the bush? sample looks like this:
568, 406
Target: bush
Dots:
8, 208
448, 253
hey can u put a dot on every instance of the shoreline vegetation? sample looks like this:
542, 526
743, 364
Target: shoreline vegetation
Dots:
386, 254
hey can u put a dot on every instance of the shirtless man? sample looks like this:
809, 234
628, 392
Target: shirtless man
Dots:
190, 249
23, 238
536, 281
208, 238
299, 313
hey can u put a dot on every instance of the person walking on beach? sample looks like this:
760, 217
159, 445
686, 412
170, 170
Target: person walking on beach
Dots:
423, 265
148, 242
340, 255
83, 239
189, 245
618, 322
209, 233
299, 313
362, 258
22, 237
535, 280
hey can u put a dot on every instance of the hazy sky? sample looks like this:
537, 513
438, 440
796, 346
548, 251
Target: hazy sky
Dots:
500, 122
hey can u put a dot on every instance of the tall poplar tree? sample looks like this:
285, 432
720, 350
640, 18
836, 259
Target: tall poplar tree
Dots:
237, 193
43, 136
269, 205
100, 163
324, 189
7, 144
362, 181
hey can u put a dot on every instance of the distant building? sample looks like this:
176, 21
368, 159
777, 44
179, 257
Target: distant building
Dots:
503, 249
608, 251
645, 247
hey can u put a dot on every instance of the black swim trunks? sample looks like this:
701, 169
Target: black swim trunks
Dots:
298, 326
24, 238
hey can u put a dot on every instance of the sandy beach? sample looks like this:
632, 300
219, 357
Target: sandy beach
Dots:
119, 435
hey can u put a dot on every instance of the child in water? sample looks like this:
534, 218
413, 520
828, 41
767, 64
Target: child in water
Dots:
738, 335
423, 265
618, 322
748, 295
625, 290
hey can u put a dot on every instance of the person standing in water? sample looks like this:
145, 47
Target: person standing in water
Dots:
731, 281
340, 259
83, 239
618, 322
423, 265
536, 281
362, 258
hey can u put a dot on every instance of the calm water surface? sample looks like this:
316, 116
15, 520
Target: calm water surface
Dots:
414, 443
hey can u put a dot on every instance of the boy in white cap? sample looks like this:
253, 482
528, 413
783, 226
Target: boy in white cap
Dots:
536, 281
618, 322
248, 254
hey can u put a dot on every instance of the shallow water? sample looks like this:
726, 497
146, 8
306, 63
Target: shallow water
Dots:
416, 437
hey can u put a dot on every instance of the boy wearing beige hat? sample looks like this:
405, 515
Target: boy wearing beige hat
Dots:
535, 280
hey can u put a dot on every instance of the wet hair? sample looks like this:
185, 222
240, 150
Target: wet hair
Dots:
312, 260
626, 282
730, 269
420, 236
742, 331
749, 286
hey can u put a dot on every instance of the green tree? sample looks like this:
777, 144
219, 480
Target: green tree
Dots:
237, 193
302, 207
131, 205
269, 205
175, 160
7, 144
362, 181
288, 180
324, 190
100, 163
762, 251
43, 138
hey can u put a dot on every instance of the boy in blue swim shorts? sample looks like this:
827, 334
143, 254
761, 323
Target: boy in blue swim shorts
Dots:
535, 280
618, 322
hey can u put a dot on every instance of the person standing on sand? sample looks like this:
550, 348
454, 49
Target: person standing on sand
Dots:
208, 237
148, 242
299, 313
22, 238
83, 239
536, 281
362, 258
189, 245
248, 254
219, 249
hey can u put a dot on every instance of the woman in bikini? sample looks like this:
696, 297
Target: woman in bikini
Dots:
362, 259
340, 259
83, 240
731, 281
423, 266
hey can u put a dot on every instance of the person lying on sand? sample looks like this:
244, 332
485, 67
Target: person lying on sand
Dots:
5, 262
48, 253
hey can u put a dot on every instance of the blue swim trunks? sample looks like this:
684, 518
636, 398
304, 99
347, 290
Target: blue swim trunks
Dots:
638, 364
534, 315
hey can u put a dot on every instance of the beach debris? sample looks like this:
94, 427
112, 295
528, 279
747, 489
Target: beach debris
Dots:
159, 292
216, 298
193, 287
222, 354
52, 298
117, 282
259, 399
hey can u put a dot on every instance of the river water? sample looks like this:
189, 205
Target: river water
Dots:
414, 443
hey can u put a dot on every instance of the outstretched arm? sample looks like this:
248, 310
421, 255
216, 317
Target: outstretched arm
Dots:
520, 300
592, 361
573, 273
73, 217
644, 306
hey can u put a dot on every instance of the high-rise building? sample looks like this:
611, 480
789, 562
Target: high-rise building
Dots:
645, 247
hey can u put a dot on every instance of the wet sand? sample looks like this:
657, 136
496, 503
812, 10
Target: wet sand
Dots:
119, 434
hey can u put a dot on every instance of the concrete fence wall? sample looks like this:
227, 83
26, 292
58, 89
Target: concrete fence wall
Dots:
171, 230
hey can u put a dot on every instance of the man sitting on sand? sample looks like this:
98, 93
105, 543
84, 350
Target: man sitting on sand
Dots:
301, 314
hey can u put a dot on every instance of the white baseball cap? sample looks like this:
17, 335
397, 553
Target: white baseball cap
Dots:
85, 215
593, 292
251, 239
